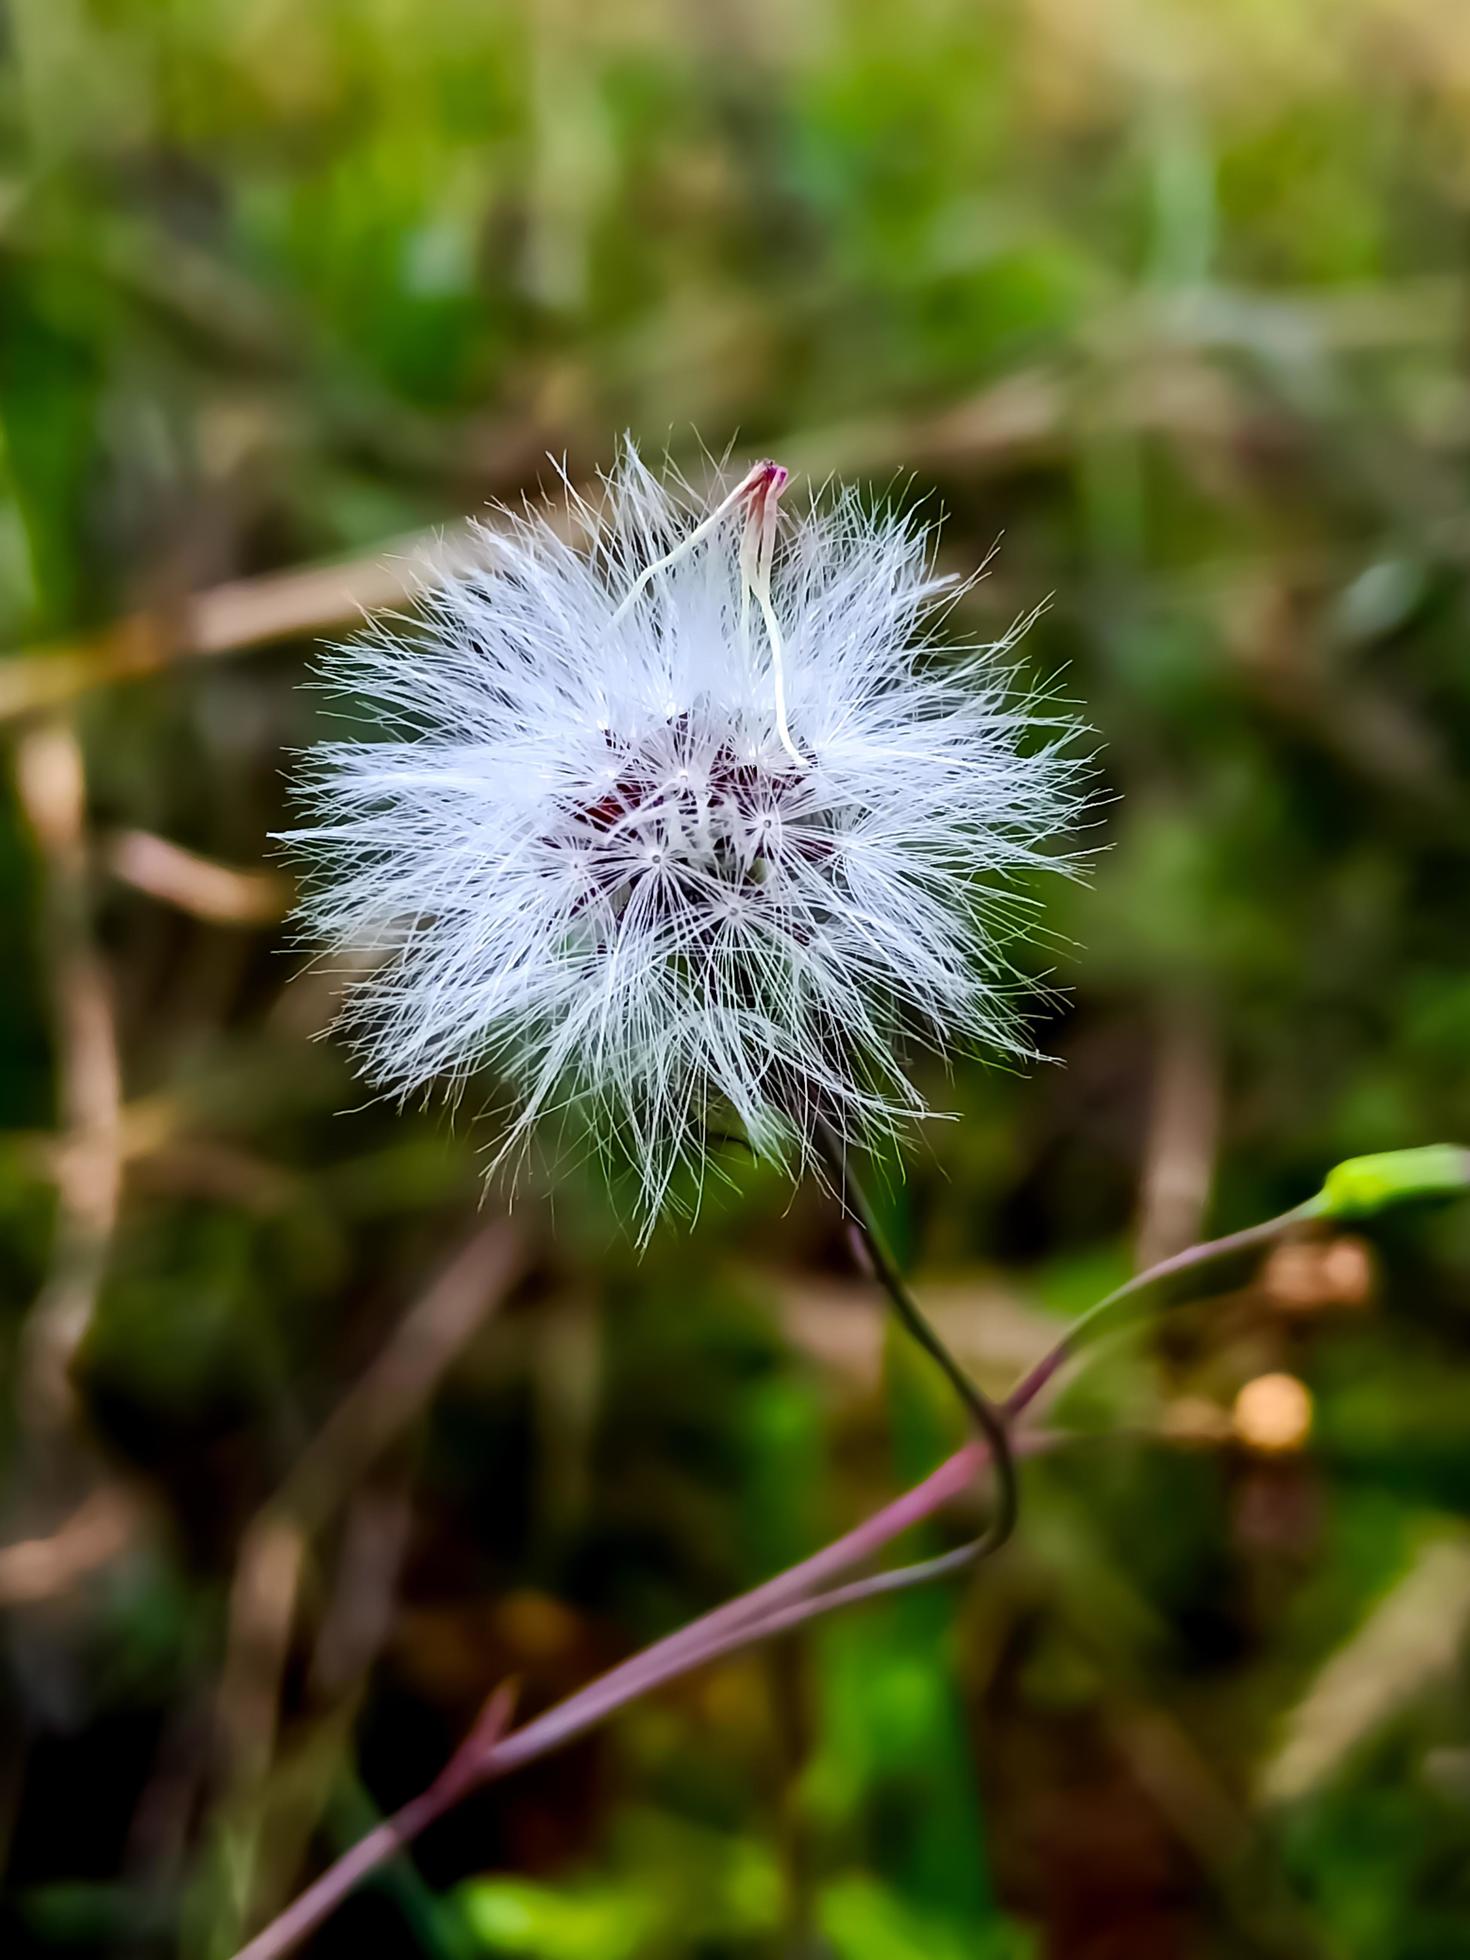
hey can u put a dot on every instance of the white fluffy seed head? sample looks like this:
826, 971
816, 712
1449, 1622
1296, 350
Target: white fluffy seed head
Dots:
599, 850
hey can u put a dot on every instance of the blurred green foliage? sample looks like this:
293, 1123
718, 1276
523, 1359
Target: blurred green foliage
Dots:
1173, 295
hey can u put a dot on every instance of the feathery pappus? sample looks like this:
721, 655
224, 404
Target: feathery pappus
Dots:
683, 822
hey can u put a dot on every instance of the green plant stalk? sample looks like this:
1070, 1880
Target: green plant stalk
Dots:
991, 1422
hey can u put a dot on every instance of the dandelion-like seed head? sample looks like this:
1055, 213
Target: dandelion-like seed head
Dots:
681, 822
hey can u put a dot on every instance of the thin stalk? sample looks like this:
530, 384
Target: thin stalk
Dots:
788, 1600
992, 1423
1099, 1320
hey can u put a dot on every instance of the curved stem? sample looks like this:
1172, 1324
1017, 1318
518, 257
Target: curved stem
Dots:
792, 1597
1099, 1318
992, 1423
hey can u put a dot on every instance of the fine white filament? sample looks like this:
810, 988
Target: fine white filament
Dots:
663, 873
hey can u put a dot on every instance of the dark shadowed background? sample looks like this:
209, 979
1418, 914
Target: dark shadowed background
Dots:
303, 1451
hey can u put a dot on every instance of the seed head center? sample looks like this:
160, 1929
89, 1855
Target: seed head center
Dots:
712, 826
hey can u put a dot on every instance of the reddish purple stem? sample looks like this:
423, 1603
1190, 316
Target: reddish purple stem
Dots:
786, 1601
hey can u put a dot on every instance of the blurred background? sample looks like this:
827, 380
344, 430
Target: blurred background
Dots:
303, 1451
